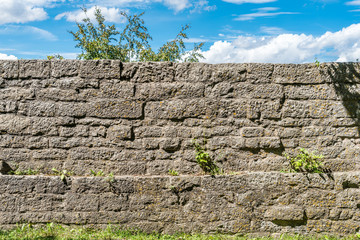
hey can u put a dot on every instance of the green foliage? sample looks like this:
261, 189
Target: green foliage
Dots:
203, 158
96, 174
99, 41
173, 172
63, 174
306, 161
110, 178
55, 57
28, 171
317, 63
57, 232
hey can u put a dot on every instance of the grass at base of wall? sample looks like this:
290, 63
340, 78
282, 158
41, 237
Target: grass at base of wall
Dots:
56, 232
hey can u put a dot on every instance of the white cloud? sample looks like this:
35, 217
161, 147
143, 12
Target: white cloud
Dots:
35, 32
196, 40
343, 45
110, 14
202, 5
354, 2
272, 30
262, 12
21, 11
176, 5
7, 57
248, 1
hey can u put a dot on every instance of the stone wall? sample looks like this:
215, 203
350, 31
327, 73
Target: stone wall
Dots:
246, 203
140, 118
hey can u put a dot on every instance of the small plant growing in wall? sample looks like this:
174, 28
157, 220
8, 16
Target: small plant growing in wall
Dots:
96, 174
63, 174
203, 158
110, 178
173, 172
306, 161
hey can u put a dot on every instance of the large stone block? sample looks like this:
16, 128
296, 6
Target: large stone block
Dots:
9, 69
298, 74
110, 89
309, 109
202, 72
176, 109
253, 91
64, 68
115, 109
303, 92
118, 133
148, 72
99, 69
285, 213
34, 69
164, 91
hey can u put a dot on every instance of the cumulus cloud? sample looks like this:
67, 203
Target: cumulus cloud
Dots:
7, 57
343, 45
248, 1
262, 12
21, 11
110, 14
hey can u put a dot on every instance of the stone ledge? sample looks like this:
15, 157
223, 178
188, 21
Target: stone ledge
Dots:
251, 202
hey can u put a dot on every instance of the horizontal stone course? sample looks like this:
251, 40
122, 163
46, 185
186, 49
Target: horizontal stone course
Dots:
245, 203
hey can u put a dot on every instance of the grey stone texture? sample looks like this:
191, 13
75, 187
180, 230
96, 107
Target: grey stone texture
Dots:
246, 203
139, 119
144, 115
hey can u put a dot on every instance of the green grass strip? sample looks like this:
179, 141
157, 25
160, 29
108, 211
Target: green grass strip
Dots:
58, 232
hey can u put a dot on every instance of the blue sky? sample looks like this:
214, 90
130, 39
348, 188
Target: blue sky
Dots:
275, 31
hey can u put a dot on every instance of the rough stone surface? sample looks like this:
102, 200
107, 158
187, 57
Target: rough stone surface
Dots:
140, 119
146, 114
259, 203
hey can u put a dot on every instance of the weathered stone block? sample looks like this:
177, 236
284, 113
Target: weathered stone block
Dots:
34, 69
17, 94
99, 69
115, 109
119, 133
38, 109
77, 131
304, 92
9, 69
297, 74
260, 73
177, 109
256, 91
164, 91
252, 132
148, 72
202, 72
171, 144
55, 94
308, 109
64, 68
285, 213
89, 202
269, 142
8, 106
110, 89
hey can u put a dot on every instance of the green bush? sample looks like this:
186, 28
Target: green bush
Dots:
306, 161
203, 158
